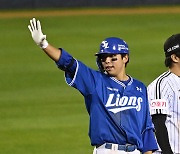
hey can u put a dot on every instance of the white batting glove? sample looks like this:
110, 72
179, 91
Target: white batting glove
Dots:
37, 35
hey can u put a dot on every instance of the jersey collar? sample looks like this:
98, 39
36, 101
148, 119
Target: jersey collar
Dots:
121, 83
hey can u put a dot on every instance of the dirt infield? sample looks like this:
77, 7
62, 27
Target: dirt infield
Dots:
99, 11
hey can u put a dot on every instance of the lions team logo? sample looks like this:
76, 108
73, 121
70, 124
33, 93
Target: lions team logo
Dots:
104, 45
116, 104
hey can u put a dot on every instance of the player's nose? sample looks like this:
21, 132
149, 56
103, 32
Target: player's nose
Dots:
108, 60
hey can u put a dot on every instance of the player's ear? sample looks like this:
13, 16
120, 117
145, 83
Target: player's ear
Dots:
175, 58
125, 58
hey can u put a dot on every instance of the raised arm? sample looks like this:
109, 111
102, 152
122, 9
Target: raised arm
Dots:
40, 39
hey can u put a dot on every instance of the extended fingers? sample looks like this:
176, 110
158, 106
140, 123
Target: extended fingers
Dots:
38, 25
33, 24
30, 29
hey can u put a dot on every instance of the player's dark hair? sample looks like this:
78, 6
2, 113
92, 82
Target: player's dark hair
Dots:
168, 61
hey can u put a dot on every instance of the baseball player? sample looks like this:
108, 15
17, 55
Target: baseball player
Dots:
120, 122
164, 98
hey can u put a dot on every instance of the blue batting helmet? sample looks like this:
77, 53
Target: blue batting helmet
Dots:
111, 45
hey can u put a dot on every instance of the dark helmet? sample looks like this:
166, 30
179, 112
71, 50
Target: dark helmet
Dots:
172, 45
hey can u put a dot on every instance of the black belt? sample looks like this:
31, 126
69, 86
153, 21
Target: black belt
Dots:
126, 148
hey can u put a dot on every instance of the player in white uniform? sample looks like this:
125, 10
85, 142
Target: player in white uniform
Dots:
164, 98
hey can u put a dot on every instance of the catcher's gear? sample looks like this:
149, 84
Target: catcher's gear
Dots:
36, 32
111, 45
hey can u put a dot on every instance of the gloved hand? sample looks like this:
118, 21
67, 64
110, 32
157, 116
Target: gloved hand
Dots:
37, 35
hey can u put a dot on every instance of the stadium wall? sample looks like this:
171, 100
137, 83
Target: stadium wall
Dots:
33, 4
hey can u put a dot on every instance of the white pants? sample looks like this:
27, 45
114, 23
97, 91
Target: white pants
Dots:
114, 150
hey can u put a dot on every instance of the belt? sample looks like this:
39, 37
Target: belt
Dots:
126, 148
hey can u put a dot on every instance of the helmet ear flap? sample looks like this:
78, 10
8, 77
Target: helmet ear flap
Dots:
99, 64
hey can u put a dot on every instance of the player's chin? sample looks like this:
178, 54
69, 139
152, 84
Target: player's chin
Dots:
111, 73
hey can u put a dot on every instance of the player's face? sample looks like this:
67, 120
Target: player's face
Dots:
114, 65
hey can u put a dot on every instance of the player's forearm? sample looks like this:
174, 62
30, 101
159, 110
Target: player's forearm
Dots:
53, 52
162, 133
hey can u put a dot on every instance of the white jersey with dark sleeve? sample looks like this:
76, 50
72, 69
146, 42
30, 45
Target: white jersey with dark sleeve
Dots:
164, 98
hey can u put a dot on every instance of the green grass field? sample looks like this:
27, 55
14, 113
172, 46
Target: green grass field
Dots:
39, 112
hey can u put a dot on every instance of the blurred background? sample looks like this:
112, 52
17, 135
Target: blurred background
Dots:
39, 112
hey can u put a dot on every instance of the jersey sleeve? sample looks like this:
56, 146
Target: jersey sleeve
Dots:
85, 79
158, 97
77, 74
148, 135
149, 141
66, 62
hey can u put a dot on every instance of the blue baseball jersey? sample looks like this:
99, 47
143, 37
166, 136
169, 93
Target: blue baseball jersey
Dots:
119, 111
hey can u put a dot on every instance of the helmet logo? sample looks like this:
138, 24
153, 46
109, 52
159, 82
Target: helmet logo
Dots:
122, 47
173, 48
105, 44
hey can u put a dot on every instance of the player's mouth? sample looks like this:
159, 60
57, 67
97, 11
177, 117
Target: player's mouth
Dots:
109, 68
